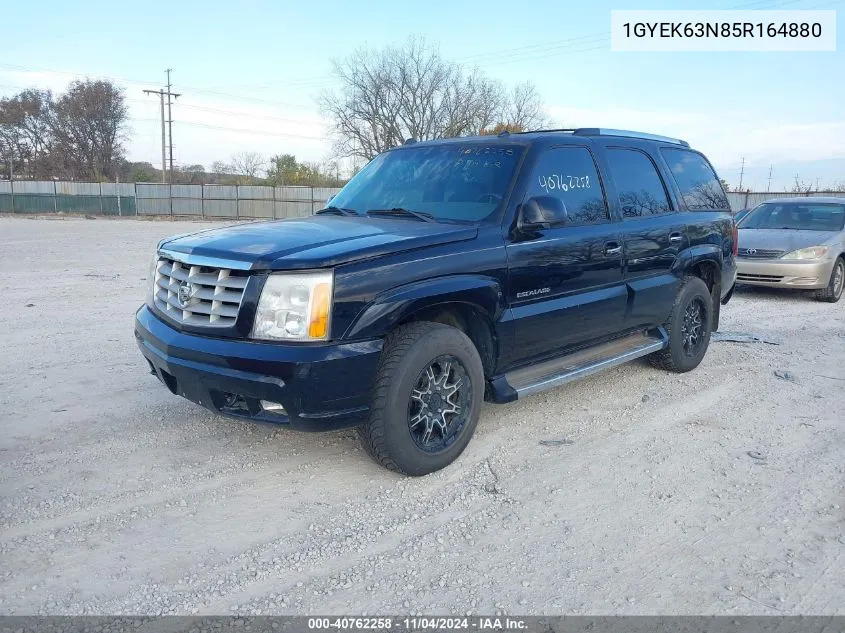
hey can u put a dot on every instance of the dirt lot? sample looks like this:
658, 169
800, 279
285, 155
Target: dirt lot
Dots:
117, 497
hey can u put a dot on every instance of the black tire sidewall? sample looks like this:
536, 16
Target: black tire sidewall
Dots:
403, 450
833, 296
693, 288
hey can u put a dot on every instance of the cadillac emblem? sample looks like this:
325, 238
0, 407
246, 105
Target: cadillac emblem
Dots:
185, 294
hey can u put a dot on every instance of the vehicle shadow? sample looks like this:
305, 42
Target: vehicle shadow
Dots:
774, 294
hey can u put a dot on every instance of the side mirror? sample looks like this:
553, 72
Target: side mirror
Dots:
542, 211
328, 200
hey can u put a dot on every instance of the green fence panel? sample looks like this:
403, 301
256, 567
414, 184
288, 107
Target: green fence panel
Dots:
127, 205
33, 203
78, 204
5, 203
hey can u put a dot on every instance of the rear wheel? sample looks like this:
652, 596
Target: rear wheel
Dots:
689, 327
427, 399
833, 292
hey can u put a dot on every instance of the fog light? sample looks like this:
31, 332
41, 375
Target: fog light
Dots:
272, 407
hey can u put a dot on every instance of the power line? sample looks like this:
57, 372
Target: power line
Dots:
234, 129
502, 55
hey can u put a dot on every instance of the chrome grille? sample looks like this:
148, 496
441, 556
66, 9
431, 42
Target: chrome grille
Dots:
759, 253
198, 295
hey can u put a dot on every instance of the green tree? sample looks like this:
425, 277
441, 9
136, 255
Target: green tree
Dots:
286, 170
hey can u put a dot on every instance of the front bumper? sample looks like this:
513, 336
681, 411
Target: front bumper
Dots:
321, 387
808, 274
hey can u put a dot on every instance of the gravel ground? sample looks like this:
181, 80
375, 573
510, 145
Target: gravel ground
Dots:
714, 492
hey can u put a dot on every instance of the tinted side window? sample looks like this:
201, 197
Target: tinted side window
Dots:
569, 174
641, 190
696, 180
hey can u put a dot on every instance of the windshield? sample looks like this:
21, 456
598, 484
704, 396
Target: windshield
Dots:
460, 182
796, 216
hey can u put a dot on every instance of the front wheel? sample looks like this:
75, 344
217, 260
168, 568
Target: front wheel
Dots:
833, 292
426, 401
689, 327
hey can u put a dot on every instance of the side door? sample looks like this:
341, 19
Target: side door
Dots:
565, 284
654, 233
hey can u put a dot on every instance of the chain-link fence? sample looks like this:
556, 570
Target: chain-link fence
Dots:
158, 199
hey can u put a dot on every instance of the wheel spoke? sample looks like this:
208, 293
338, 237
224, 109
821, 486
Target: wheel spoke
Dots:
432, 379
452, 389
445, 370
429, 427
419, 417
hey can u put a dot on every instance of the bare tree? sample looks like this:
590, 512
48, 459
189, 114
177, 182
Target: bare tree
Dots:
524, 109
248, 165
88, 126
799, 186
25, 137
405, 92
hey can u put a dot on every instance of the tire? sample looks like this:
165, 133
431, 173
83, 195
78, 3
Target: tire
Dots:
413, 427
687, 342
833, 292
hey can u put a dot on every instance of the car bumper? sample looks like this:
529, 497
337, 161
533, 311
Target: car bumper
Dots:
320, 387
808, 274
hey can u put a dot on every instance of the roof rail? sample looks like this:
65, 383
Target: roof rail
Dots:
600, 131
560, 129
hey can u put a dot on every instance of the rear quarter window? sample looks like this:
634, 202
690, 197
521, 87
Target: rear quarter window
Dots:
696, 179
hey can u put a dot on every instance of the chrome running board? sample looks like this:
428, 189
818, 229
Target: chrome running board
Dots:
559, 371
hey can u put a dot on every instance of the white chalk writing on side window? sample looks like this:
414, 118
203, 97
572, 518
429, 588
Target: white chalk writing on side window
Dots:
560, 182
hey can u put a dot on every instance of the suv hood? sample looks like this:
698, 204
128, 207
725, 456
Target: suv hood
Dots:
316, 241
783, 239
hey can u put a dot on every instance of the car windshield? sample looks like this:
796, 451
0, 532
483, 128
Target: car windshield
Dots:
462, 182
795, 216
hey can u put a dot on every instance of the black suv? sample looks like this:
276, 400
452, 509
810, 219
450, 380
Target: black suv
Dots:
445, 273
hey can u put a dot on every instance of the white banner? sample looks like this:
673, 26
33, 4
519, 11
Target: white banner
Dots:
673, 31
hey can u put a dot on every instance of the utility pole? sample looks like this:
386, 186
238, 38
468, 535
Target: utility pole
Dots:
160, 93
164, 121
170, 119
769, 186
741, 173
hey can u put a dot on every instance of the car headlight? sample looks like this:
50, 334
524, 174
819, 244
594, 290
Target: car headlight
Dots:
151, 279
294, 307
811, 252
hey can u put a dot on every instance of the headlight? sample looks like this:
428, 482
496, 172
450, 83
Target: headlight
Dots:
151, 279
294, 307
812, 252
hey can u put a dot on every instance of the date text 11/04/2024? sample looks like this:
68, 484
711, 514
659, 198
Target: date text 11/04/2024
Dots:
418, 623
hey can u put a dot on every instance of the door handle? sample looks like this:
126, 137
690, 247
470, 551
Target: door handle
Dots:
675, 237
612, 248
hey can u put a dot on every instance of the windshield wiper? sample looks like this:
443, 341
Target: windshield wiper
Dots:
402, 212
337, 211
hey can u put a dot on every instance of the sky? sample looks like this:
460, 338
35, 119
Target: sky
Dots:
250, 73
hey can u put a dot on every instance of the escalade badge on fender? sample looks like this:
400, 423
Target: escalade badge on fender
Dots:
533, 293
185, 294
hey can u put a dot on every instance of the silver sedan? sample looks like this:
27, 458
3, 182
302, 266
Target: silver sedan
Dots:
796, 243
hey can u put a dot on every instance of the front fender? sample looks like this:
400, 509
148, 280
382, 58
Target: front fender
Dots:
393, 306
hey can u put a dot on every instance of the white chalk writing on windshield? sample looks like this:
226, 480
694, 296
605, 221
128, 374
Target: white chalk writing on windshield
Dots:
559, 182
